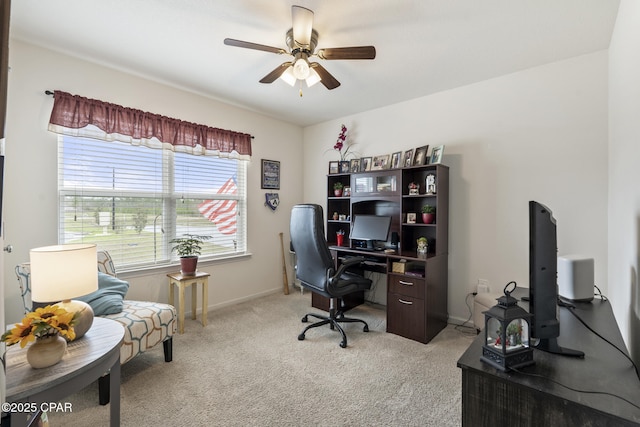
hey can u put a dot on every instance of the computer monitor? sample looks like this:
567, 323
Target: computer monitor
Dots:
370, 229
543, 284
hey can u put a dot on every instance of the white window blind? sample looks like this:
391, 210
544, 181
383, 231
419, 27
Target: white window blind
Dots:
133, 200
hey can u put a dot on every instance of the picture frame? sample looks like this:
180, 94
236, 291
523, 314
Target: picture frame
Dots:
420, 157
395, 160
365, 164
355, 165
407, 159
380, 162
270, 172
344, 166
411, 217
346, 192
436, 154
334, 167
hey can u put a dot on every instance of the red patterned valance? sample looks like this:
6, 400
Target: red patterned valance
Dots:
76, 112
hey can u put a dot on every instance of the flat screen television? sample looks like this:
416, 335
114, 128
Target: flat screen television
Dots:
370, 229
543, 280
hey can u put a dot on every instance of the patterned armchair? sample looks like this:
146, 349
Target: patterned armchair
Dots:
146, 324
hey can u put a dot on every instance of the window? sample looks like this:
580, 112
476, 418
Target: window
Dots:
132, 200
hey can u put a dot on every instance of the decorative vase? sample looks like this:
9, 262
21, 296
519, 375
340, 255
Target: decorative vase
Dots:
46, 351
188, 265
428, 218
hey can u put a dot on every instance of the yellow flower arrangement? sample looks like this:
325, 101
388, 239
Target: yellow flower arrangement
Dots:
46, 321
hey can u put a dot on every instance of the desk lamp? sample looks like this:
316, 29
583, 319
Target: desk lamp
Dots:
62, 272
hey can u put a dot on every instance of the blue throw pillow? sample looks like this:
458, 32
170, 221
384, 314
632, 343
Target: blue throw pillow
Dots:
109, 296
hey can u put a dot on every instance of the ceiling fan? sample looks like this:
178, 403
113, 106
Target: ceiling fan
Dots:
301, 41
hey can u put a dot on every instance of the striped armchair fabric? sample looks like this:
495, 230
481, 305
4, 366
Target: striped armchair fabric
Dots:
146, 323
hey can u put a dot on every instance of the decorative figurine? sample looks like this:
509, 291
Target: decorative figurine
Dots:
423, 246
430, 184
414, 189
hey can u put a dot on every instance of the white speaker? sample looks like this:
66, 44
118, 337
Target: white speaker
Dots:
575, 277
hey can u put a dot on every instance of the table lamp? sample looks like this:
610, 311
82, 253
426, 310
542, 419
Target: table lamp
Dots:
62, 272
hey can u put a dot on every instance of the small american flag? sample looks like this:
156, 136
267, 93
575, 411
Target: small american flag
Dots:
222, 212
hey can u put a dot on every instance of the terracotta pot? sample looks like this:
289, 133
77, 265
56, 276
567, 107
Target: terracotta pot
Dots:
428, 218
188, 265
46, 351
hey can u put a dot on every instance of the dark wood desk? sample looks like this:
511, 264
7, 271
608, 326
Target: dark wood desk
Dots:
416, 304
494, 398
86, 360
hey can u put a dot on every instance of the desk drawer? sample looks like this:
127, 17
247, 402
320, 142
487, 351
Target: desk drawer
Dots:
406, 285
406, 317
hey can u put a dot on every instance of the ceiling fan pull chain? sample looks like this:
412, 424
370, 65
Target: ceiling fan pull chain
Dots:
300, 88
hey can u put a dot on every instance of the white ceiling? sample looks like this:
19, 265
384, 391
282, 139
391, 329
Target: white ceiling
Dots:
423, 46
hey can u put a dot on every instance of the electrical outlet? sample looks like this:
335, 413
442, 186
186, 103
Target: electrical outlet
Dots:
473, 288
483, 286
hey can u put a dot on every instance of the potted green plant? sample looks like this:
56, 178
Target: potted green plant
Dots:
337, 189
188, 248
428, 214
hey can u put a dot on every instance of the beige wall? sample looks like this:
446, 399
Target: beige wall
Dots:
624, 174
30, 211
539, 134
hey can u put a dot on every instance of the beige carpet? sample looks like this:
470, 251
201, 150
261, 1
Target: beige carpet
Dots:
247, 368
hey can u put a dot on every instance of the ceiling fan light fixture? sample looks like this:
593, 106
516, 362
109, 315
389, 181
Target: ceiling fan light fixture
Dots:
301, 69
288, 76
313, 78
302, 19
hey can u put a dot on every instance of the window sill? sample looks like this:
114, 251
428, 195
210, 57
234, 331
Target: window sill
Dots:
172, 268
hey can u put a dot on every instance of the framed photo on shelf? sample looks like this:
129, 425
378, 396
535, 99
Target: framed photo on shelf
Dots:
346, 192
270, 174
380, 162
395, 160
334, 168
420, 157
344, 166
407, 160
355, 165
411, 217
365, 164
436, 154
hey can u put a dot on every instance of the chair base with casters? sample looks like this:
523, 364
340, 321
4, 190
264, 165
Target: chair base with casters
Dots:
334, 319
315, 269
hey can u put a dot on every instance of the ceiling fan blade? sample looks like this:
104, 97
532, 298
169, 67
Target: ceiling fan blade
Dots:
327, 79
357, 52
277, 72
255, 46
302, 19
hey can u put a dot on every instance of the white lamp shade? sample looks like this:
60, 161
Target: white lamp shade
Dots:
288, 76
313, 78
63, 272
301, 69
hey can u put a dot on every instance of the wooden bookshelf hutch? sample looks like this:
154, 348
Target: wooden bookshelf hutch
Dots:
416, 284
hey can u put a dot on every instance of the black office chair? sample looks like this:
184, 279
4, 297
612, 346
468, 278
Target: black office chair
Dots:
315, 269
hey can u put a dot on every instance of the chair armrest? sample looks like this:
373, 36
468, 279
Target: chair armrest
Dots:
346, 264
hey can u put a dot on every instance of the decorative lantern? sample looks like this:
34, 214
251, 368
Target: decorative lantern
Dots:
507, 334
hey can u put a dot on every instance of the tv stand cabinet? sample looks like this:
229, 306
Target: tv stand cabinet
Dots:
416, 299
494, 398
